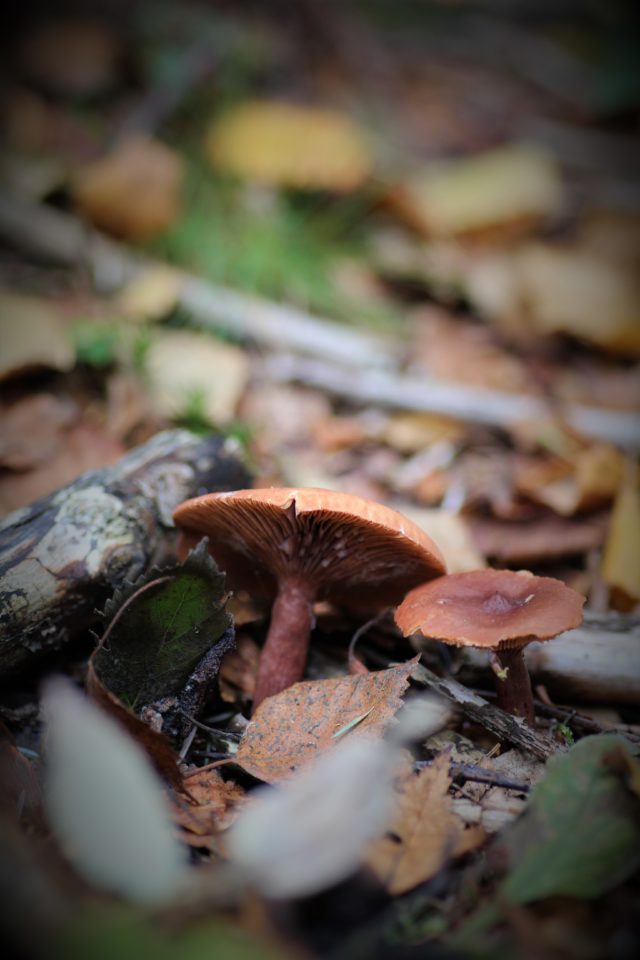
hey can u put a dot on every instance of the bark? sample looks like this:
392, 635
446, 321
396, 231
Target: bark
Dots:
598, 662
502, 725
64, 555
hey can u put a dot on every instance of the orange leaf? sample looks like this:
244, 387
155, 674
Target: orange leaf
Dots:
215, 805
425, 834
289, 730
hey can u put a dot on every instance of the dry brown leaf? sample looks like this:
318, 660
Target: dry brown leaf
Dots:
289, 730
132, 192
516, 185
214, 806
288, 145
425, 833
32, 336
239, 669
449, 348
545, 538
410, 432
33, 429
589, 482
621, 561
85, 446
71, 57
182, 367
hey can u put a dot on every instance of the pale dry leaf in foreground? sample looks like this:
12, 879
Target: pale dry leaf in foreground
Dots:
428, 832
105, 804
304, 835
289, 730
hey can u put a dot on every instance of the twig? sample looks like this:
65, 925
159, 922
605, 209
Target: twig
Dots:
62, 238
351, 657
469, 771
475, 405
496, 721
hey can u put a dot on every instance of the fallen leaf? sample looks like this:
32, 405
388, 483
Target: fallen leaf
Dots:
104, 802
312, 831
186, 369
621, 560
449, 348
213, 806
581, 834
161, 651
410, 432
33, 429
425, 833
32, 336
589, 482
545, 538
452, 534
239, 669
132, 192
571, 291
86, 445
74, 58
513, 185
289, 730
288, 145
151, 295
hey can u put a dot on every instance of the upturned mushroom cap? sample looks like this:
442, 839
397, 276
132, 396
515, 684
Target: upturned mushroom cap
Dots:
496, 609
352, 549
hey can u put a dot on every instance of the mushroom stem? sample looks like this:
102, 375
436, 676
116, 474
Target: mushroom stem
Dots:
514, 692
284, 654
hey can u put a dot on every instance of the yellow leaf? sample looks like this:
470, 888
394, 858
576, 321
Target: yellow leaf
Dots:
151, 295
571, 290
32, 335
513, 183
287, 145
621, 562
425, 833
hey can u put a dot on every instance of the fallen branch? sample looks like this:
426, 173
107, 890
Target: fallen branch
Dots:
335, 351
64, 555
64, 239
496, 721
490, 407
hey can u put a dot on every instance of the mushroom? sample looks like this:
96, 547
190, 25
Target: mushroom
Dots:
301, 545
498, 610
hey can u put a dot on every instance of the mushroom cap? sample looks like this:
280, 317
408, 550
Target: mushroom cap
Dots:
496, 609
347, 548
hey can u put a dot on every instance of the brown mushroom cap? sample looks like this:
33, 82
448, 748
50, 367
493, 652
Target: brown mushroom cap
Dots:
490, 608
353, 549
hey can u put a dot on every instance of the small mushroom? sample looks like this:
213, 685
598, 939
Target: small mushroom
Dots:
498, 610
297, 546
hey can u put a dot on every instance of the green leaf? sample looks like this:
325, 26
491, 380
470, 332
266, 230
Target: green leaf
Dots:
580, 835
160, 634
122, 933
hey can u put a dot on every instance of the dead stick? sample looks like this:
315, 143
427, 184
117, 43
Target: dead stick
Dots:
469, 771
496, 721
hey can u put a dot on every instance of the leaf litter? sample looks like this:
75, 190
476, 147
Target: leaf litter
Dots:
500, 266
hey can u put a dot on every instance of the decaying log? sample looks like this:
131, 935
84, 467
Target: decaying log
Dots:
502, 725
598, 662
63, 556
